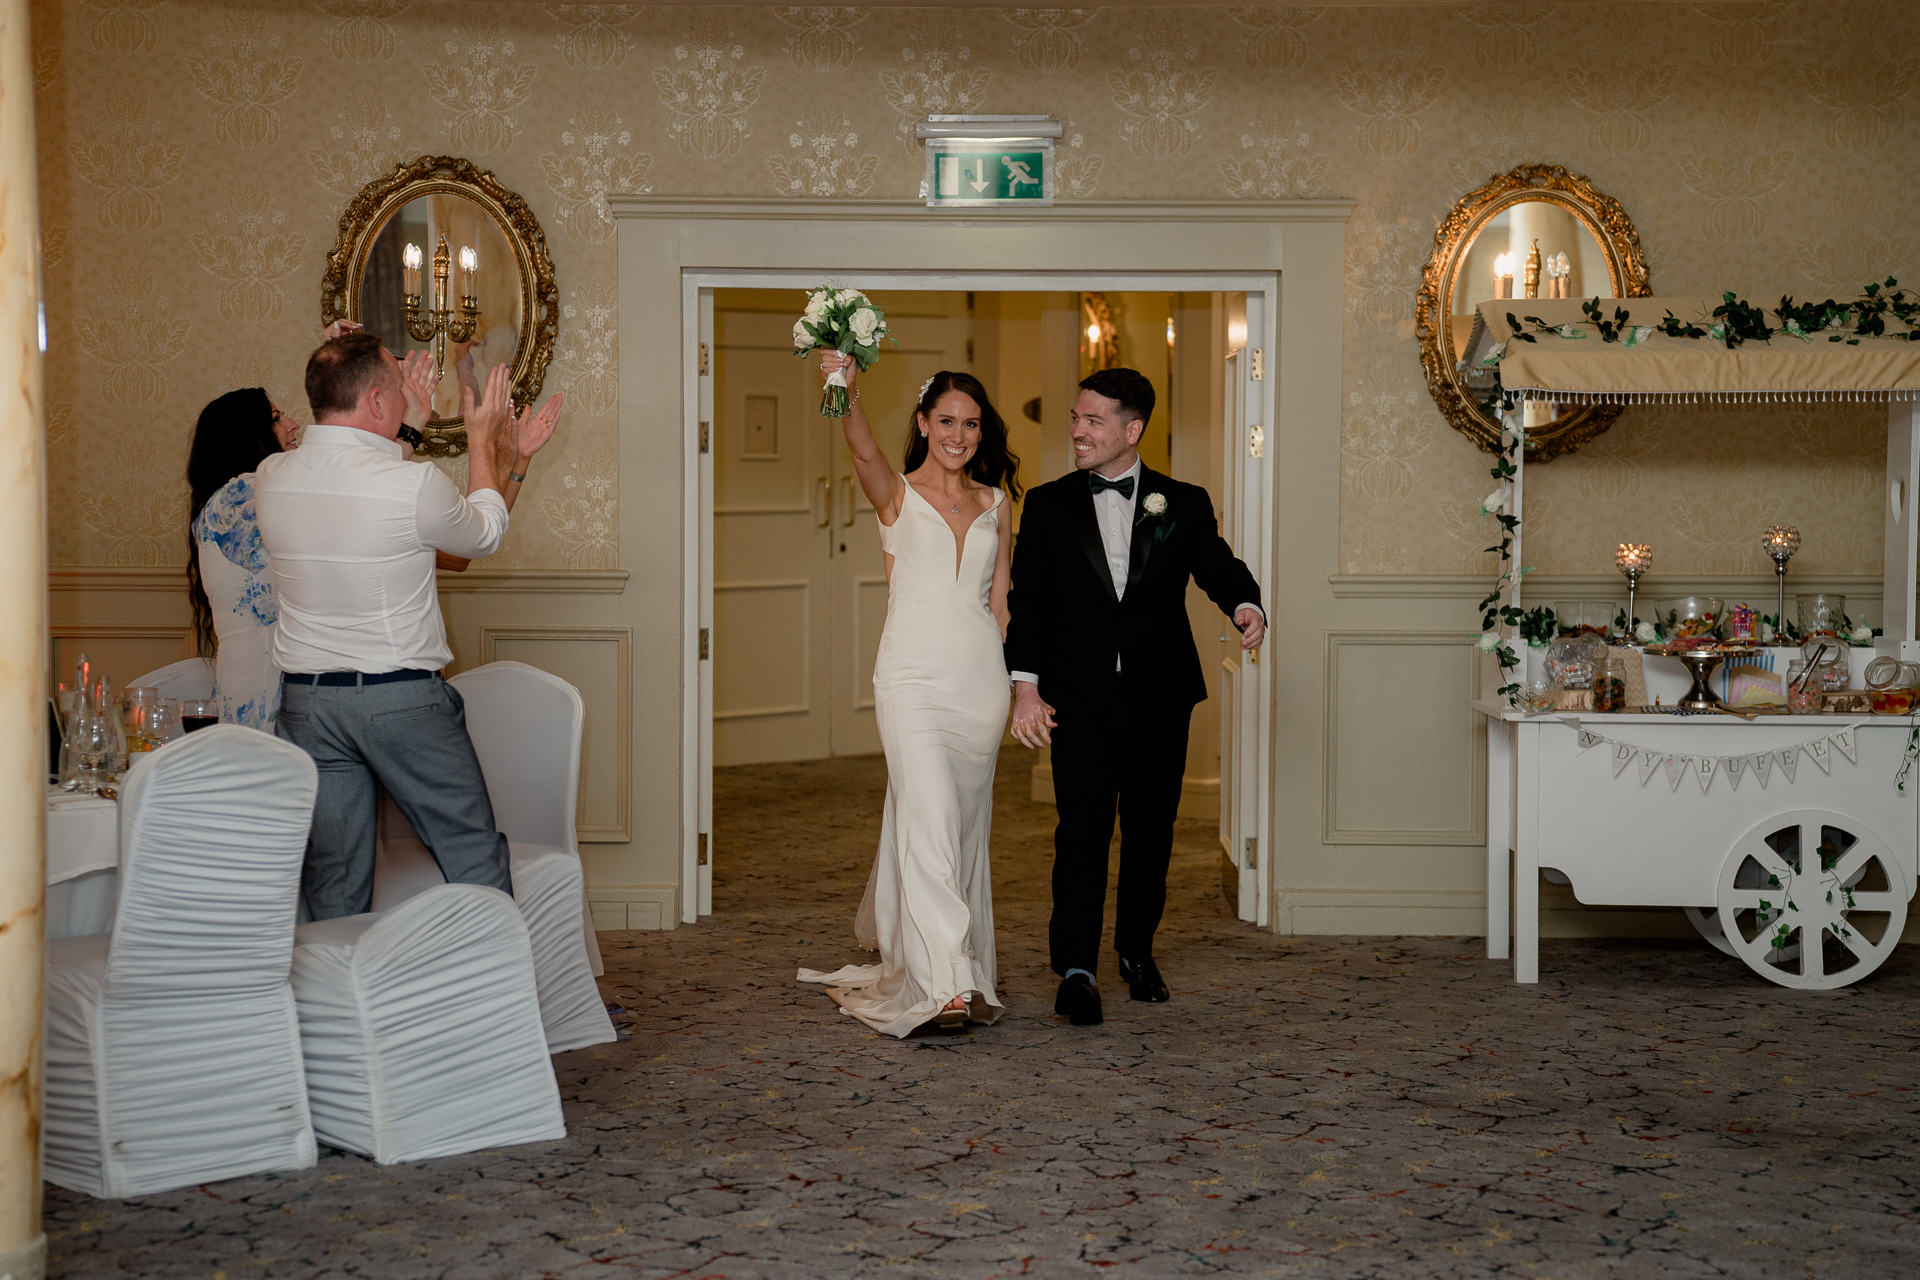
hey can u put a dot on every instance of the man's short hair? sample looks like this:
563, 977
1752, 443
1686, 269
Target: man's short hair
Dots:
340, 371
1129, 389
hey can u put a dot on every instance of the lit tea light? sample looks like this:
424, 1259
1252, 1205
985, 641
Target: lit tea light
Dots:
1780, 541
1632, 559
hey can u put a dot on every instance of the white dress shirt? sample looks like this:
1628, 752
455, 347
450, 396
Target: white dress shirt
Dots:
1113, 512
350, 531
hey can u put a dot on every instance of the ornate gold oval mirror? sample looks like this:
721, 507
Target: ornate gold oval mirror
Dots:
438, 256
1547, 231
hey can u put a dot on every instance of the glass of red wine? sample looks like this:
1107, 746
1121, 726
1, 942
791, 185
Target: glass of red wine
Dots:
198, 713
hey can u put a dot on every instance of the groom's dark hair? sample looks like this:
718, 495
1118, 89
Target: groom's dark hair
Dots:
1128, 388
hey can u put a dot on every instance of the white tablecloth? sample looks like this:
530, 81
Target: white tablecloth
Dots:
83, 863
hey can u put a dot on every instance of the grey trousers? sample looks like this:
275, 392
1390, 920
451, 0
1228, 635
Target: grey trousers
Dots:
410, 737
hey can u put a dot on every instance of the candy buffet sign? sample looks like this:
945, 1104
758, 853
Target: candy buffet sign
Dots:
1760, 764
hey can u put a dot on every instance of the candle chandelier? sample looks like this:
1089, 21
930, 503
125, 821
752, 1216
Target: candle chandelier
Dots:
439, 324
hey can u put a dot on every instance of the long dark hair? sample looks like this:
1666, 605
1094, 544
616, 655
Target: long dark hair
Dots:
234, 435
993, 463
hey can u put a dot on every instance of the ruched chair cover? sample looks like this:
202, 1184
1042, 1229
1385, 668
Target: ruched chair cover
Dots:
172, 1047
421, 1028
189, 678
526, 726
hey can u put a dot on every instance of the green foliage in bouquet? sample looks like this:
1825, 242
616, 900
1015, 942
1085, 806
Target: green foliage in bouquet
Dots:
843, 320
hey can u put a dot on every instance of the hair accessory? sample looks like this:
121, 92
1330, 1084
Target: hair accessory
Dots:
925, 385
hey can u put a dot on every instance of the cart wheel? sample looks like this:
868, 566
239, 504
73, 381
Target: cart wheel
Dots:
1707, 924
1812, 899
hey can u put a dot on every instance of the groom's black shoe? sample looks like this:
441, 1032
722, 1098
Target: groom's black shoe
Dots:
1143, 980
1078, 1001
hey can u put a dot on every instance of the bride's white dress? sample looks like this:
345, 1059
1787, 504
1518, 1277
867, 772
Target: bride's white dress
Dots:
940, 695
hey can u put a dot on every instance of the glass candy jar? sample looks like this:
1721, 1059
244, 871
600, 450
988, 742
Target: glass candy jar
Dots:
1822, 614
1573, 660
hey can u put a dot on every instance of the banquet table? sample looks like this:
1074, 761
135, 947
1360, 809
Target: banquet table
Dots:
83, 863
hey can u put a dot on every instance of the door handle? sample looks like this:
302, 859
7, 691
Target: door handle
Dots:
826, 502
848, 522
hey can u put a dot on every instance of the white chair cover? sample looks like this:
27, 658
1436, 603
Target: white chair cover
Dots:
173, 1052
526, 727
421, 1028
190, 678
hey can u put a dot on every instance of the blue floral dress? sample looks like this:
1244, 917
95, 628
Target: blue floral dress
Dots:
239, 586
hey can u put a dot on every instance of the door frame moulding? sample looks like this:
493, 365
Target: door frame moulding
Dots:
671, 247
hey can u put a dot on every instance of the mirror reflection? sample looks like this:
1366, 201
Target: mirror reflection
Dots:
1569, 260
441, 276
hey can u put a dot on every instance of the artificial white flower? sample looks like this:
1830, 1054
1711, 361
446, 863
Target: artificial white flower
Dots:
1766, 633
1494, 503
1488, 642
863, 324
1645, 633
1862, 634
1155, 504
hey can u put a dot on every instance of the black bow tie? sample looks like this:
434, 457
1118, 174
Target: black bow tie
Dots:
1101, 484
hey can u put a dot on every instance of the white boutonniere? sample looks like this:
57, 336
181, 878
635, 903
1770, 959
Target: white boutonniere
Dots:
1153, 506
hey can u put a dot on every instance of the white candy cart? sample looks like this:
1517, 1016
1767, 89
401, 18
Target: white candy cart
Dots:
1786, 837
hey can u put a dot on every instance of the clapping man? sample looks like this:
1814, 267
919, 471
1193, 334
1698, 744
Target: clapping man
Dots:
352, 528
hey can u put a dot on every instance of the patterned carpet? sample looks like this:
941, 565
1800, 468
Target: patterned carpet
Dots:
1332, 1107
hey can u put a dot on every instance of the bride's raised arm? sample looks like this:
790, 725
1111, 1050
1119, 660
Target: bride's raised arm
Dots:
877, 477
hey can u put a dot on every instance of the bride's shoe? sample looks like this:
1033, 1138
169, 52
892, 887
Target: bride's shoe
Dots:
954, 1017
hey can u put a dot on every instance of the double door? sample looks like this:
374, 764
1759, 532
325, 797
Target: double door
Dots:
799, 581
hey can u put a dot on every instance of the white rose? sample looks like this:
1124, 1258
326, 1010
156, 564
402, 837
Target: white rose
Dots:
817, 307
1494, 503
1489, 641
1155, 504
863, 324
802, 340
1645, 633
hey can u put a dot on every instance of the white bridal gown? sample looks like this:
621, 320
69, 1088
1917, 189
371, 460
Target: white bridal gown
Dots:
940, 695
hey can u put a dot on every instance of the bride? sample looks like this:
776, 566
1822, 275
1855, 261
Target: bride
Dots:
940, 695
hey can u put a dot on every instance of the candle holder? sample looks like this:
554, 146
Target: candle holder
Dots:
1503, 275
439, 324
1780, 541
1632, 559
1533, 270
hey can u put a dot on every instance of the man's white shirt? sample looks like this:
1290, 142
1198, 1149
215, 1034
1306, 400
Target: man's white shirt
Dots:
350, 530
1113, 512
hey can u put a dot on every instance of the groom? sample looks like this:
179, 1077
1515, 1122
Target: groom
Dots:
1104, 669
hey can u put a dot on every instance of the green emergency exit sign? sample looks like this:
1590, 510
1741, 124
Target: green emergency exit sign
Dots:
990, 176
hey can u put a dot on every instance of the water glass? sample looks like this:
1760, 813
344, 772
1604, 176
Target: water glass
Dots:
163, 722
91, 737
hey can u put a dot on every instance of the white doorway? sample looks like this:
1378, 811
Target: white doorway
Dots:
792, 591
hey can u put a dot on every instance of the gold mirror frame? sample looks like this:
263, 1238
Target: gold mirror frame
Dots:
451, 175
1600, 215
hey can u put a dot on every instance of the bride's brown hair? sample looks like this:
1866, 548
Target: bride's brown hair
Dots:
993, 463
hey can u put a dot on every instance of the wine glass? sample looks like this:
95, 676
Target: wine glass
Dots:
198, 713
90, 735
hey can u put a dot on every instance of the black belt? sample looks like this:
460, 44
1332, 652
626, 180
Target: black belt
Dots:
351, 678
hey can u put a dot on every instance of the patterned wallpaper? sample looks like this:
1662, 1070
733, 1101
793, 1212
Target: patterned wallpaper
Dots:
196, 155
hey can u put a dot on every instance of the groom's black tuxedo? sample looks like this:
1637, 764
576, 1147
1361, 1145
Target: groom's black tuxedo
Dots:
1121, 741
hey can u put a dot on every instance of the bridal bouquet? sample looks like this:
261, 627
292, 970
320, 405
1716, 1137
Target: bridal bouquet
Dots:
840, 320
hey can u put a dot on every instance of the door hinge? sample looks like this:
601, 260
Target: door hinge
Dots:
1252, 859
1257, 365
701, 847
703, 359
704, 633
704, 432
1256, 441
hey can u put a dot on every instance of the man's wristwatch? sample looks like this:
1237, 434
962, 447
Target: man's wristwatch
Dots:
409, 436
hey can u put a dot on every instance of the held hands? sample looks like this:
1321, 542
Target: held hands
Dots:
1253, 628
832, 360
1032, 718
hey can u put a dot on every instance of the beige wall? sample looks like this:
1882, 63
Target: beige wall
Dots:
195, 157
